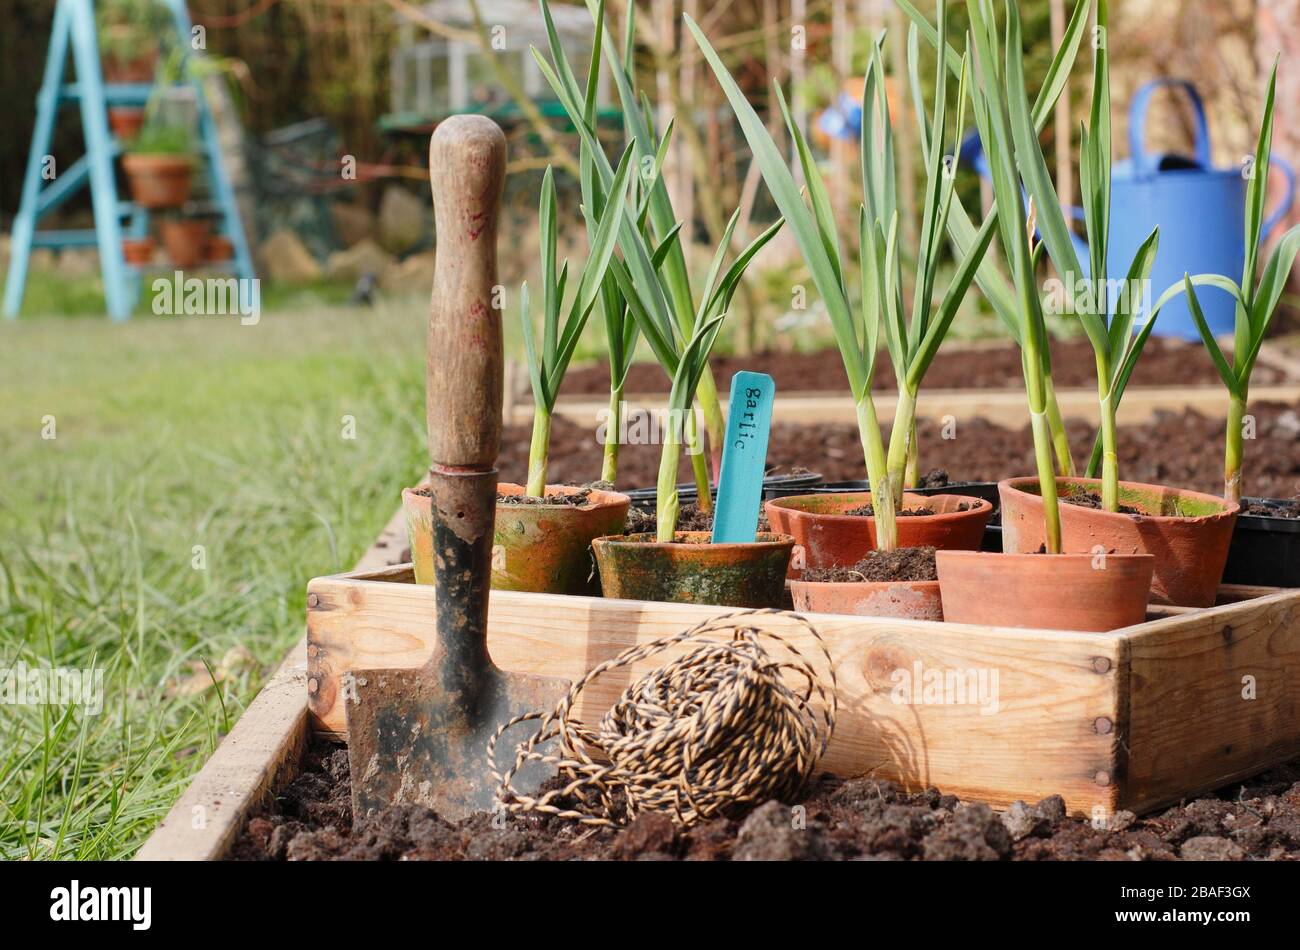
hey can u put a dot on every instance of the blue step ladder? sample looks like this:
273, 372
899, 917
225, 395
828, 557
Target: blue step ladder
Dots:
74, 35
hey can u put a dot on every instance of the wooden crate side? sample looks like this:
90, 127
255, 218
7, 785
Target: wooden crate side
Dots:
1034, 735
1212, 697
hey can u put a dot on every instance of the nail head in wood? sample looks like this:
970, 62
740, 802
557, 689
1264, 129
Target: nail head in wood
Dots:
1102, 726
1102, 778
1101, 664
313, 600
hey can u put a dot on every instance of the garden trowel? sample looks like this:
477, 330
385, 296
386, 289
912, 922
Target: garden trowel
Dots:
420, 736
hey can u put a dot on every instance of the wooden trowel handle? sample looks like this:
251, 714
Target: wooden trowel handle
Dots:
467, 164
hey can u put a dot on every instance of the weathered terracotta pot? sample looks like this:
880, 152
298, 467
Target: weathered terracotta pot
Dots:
125, 122
138, 252
547, 548
829, 538
1188, 532
539, 548
159, 181
140, 69
185, 240
417, 505
913, 600
1045, 591
219, 248
692, 570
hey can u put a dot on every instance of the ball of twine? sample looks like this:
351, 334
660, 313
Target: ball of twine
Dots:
740, 719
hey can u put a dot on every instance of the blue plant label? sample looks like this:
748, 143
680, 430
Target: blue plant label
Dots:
744, 458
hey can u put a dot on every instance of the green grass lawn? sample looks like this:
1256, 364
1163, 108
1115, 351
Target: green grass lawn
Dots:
198, 477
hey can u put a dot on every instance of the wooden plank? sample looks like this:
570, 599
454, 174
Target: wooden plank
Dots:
1003, 407
262, 752
1034, 735
1214, 697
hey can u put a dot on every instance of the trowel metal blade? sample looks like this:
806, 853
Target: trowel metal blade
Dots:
413, 740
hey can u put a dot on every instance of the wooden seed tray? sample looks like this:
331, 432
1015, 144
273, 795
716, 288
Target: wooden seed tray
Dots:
1133, 719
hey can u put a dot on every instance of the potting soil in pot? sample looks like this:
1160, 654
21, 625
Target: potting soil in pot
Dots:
867, 511
690, 517
1091, 499
311, 819
1287, 509
572, 499
903, 564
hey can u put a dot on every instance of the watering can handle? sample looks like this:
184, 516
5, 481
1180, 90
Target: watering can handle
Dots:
1144, 163
1284, 208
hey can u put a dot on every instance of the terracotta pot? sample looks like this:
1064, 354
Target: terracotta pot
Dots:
913, 600
547, 548
541, 548
692, 570
220, 248
159, 181
125, 121
829, 538
138, 252
184, 239
1188, 532
1080, 592
140, 69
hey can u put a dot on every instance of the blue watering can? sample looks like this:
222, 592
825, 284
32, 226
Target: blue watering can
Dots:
1200, 210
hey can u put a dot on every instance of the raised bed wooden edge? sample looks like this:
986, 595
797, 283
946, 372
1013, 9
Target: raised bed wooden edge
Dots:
1004, 407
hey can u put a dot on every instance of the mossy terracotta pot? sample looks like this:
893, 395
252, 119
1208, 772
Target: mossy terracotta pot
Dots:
1081, 592
1188, 532
417, 506
693, 570
912, 600
546, 549
537, 548
827, 537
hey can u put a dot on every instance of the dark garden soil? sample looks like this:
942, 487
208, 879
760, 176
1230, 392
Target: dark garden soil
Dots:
1163, 363
1180, 449
866, 511
690, 517
570, 499
904, 564
1092, 499
1290, 509
863, 818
